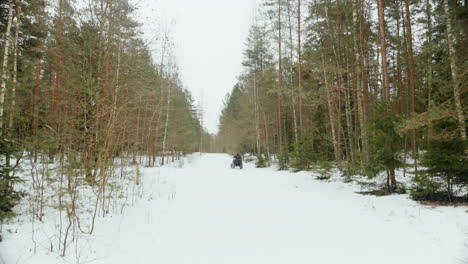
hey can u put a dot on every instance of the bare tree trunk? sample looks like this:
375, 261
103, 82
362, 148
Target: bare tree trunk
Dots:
429, 62
5, 62
280, 80
107, 55
411, 82
166, 126
58, 66
267, 143
362, 97
341, 65
160, 107
335, 108
401, 90
377, 77
117, 79
349, 126
202, 123
299, 64
411, 68
15, 72
454, 71
257, 115
331, 115
357, 66
383, 46
291, 59
35, 124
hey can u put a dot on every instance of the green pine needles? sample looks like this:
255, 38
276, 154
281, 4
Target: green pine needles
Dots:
386, 147
446, 166
9, 197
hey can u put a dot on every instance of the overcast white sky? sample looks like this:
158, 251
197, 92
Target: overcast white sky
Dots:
209, 37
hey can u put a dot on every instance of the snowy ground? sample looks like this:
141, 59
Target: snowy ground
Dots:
207, 213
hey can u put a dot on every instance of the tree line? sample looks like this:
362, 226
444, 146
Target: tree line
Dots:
81, 90
374, 87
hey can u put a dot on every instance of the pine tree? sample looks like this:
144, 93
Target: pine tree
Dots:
386, 146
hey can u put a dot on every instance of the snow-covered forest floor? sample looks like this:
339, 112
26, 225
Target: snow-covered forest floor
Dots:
201, 211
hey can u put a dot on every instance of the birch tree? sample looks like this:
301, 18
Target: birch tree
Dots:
454, 72
6, 50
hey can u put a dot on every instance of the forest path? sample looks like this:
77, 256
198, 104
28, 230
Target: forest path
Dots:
208, 213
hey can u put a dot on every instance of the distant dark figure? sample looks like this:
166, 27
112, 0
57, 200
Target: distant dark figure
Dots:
237, 162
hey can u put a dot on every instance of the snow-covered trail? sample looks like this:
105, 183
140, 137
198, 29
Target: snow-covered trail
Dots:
207, 213
218, 215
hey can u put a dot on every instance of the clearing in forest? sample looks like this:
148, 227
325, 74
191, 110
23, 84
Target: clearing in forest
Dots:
208, 213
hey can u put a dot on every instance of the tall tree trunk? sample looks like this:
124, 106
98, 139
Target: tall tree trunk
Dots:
383, 46
376, 77
280, 81
411, 81
136, 138
362, 78
166, 126
107, 55
401, 89
35, 123
334, 97
332, 117
429, 61
454, 71
117, 79
411, 65
291, 69
58, 65
299, 64
344, 65
407, 90
5, 62
257, 115
267, 143
59, 104
349, 124
15, 72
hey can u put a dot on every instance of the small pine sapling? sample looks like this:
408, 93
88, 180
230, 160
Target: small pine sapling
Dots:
386, 145
446, 165
9, 197
262, 162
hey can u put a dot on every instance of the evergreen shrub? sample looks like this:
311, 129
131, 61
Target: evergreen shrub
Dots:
262, 162
8, 196
445, 166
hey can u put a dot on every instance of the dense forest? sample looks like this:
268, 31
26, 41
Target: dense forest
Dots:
373, 87
95, 118
81, 92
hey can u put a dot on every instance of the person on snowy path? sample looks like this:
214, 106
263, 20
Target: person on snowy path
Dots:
237, 156
237, 162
